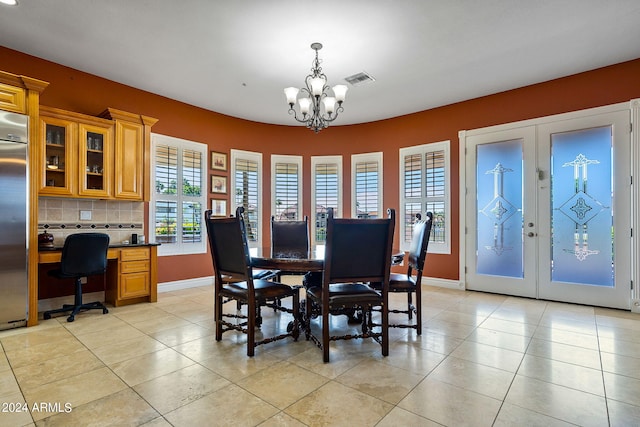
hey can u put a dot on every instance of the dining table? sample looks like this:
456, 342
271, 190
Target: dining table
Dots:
264, 258
294, 263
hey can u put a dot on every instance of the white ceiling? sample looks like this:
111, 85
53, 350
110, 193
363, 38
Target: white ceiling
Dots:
235, 57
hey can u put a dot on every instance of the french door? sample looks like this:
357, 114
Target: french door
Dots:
548, 210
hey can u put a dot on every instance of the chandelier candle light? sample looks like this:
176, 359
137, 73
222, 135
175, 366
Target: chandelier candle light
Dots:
316, 90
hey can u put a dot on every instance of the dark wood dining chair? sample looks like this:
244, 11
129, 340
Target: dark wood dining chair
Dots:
231, 259
289, 239
257, 274
358, 251
407, 282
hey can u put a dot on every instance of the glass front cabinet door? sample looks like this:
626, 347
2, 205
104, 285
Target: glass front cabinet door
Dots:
58, 157
95, 160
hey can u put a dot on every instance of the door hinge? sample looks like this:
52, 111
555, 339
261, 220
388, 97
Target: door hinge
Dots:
632, 285
465, 271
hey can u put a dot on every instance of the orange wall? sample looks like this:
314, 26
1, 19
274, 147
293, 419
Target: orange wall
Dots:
84, 93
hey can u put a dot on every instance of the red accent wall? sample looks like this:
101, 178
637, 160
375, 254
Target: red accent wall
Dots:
74, 90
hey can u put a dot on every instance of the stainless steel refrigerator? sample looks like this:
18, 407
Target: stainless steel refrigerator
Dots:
14, 197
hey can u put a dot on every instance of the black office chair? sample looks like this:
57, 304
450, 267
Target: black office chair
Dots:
231, 259
83, 255
357, 251
407, 283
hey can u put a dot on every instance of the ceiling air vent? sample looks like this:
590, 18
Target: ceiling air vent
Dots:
359, 79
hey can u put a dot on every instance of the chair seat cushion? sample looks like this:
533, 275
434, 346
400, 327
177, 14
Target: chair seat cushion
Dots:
264, 274
264, 289
398, 282
401, 281
346, 294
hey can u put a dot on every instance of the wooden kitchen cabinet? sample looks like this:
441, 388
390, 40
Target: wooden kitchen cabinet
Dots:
131, 153
95, 160
58, 158
106, 157
76, 158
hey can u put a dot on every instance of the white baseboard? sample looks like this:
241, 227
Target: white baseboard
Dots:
185, 284
443, 283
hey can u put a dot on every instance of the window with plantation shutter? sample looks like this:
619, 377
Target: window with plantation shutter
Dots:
286, 187
326, 183
179, 195
366, 186
246, 190
424, 181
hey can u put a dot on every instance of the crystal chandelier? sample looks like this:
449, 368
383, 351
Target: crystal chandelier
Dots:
317, 108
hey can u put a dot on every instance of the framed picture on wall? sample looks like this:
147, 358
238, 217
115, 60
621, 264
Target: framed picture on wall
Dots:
218, 184
218, 207
218, 161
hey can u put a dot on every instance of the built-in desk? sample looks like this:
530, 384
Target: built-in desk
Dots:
132, 272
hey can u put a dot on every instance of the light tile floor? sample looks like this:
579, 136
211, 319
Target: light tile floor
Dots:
482, 360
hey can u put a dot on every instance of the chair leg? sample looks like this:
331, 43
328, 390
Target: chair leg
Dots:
418, 309
259, 304
409, 304
325, 334
218, 316
251, 326
296, 315
385, 331
307, 318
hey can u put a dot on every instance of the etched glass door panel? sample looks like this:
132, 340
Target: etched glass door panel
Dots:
500, 214
499, 241
582, 200
585, 198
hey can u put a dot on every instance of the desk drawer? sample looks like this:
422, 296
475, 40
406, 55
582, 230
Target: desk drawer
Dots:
134, 254
134, 266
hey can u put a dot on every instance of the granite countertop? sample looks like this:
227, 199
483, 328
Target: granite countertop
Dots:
114, 245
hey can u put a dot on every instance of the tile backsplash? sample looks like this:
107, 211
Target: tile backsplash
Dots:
61, 217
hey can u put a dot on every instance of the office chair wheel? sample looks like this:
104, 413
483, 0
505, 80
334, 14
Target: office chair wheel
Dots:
46, 316
105, 311
71, 318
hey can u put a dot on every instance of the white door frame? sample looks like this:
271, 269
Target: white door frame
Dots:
634, 107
